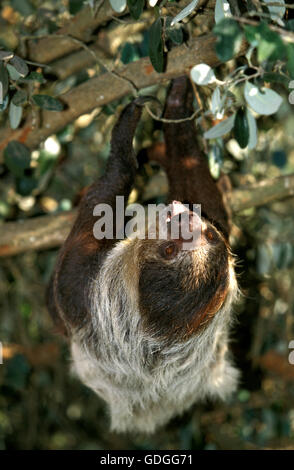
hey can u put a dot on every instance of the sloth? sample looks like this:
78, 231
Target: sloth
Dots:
147, 321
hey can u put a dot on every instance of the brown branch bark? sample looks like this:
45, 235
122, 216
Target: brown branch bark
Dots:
81, 26
261, 193
108, 87
42, 232
50, 231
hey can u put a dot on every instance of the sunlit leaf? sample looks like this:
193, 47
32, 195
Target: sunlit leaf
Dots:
263, 101
185, 12
220, 129
253, 131
270, 45
215, 161
202, 74
15, 114
19, 65
118, 5
277, 12
13, 73
222, 10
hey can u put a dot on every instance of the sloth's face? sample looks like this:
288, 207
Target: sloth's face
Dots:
179, 290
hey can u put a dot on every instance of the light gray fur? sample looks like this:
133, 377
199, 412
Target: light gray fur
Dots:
144, 381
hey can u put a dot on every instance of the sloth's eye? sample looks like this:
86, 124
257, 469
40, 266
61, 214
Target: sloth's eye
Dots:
211, 235
169, 251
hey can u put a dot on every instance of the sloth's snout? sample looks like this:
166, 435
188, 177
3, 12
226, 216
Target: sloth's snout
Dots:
190, 227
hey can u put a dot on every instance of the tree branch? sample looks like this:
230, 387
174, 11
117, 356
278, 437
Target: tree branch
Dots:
81, 26
111, 86
261, 193
50, 231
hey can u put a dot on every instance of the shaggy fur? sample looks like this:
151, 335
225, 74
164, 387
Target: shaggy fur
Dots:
146, 380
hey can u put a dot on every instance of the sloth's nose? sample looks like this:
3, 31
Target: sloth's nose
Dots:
185, 223
190, 227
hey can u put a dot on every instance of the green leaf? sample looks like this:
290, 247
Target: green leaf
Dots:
263, 101
222, 10
275, 77
136, 8
4, 79
5, 103
270, 45
35, 77
251, 34
118, 5
14, 75
24, 7
48, 102
19, 65
215, 161
276, 12
279, 158
290, 63
174, 33
229, 39
17, 157
253, 131
156, 46
185, 12
241, 128
290, 25
220, 129
15, 114
19, 97
202, 74
129, 53
25, 185
75, 6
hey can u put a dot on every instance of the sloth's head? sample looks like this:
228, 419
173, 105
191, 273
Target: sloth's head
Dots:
176, 283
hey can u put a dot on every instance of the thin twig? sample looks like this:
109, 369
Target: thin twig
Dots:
171, 121
277, 4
